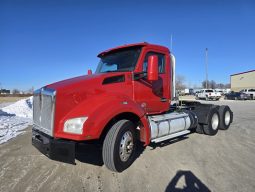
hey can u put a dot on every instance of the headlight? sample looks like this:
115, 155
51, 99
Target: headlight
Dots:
74, 125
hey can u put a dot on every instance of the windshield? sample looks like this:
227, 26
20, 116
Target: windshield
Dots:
122, 60
208, 91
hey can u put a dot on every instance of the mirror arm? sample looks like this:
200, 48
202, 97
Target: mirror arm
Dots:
139, 75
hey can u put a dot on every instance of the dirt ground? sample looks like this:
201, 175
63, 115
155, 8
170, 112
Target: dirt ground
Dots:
225, 162
10, 99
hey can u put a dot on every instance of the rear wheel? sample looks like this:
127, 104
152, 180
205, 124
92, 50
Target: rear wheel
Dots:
226, 117
213, 122
119, 146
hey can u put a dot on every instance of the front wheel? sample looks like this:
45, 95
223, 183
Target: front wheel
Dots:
120, 146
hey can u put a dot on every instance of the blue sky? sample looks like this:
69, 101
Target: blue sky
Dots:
46, 41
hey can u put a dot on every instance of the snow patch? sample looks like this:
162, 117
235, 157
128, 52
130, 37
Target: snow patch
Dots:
22, 108
5, 104
15, 118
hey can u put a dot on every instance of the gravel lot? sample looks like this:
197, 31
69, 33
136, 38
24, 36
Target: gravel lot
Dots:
225, 162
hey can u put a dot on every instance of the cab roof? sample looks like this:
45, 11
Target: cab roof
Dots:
143, 44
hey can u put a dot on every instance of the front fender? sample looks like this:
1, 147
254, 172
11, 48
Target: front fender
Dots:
99, 118
100, 110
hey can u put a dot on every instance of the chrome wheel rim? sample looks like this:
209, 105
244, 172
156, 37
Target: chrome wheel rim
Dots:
215, 121
227, 118
126, 146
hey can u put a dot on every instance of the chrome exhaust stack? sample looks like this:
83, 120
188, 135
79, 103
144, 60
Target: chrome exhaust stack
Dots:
172, 58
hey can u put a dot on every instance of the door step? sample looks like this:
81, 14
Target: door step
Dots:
157, 140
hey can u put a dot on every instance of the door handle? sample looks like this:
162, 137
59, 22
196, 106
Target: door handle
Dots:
163, 99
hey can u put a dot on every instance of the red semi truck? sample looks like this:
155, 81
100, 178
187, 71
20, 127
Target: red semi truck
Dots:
127, 100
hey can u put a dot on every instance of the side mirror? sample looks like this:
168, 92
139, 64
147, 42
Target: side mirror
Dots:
89, 72
152, 68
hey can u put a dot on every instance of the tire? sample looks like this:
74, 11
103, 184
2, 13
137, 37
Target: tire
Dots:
226, 117
122, 134
213, 122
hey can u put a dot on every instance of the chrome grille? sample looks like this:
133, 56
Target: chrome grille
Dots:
44, 109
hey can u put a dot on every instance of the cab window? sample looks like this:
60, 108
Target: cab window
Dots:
161, 62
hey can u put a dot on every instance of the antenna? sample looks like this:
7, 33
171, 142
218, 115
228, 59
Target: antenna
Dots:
206, 68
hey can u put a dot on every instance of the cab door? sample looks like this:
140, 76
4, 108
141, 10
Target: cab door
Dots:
154, 96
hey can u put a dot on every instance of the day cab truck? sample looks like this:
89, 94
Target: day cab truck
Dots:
127, 101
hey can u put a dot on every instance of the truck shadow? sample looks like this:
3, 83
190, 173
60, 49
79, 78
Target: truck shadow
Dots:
92, 153
88, 153
191, 183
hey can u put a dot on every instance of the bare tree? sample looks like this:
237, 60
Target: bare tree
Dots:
31, 90
212, 84
204, 84
180, 82
227, 86
15, 91
220, 86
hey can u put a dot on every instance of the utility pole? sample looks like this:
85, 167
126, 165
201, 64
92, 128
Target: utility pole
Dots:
206, 68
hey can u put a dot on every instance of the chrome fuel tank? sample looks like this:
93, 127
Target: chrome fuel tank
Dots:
170, 123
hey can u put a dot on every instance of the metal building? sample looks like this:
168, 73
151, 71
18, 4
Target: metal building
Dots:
242, 80
4, 91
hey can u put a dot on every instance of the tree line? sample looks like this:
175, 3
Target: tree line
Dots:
180, 84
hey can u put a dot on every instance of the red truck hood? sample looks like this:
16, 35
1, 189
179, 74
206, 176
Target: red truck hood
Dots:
77, 81
71, 92
82, 82
80, 88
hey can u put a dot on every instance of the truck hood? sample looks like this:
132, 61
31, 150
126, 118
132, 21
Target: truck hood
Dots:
84, 80
83, 83
71, 92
